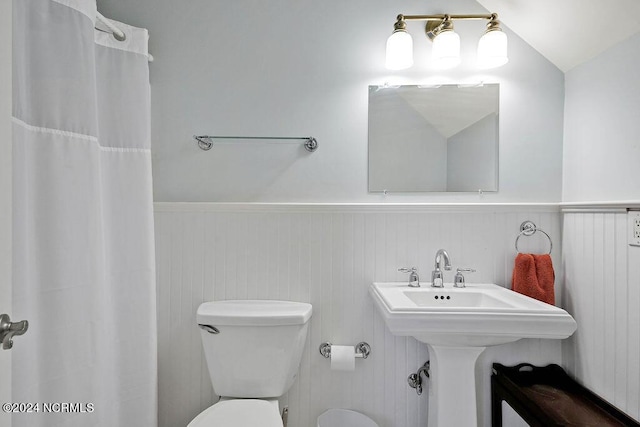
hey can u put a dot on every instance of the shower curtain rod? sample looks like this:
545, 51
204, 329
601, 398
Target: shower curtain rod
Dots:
117, 33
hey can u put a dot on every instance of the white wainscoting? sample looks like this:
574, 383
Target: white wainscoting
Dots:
602, 291
328, 255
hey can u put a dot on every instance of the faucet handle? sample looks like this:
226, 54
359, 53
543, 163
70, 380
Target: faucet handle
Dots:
414, 280
458, 280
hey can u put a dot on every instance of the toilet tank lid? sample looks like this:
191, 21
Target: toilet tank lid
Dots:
254, 313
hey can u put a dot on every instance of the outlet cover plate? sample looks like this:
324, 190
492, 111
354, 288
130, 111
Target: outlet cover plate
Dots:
633, 228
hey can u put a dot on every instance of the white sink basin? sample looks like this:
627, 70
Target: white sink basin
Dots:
457, 324
478, 315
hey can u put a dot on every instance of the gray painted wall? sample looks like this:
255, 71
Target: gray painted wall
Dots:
602, 111
302, 68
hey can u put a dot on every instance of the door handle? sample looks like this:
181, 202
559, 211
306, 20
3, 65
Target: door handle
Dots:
10, 329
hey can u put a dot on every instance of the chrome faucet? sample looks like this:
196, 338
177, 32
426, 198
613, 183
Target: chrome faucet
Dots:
436, 275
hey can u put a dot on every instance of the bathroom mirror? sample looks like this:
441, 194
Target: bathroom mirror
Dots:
433, 138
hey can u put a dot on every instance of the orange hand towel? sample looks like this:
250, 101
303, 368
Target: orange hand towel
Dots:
533, 276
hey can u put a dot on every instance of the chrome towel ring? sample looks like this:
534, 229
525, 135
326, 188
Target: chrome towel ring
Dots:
528, 228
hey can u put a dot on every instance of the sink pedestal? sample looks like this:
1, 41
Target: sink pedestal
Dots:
452, 386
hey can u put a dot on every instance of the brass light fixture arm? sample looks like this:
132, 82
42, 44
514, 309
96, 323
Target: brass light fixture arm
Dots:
441, 17
436, 24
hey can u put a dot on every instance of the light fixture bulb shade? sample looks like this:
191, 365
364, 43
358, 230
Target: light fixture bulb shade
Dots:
492, 49
399, 50
446, 50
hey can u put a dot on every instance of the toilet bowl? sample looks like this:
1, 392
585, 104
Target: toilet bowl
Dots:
344, 418
253, 350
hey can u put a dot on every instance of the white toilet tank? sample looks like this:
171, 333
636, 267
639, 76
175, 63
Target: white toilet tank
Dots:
257, 349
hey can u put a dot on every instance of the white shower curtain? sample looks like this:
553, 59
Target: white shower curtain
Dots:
84, 273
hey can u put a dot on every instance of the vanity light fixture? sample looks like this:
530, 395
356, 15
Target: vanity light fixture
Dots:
492, 47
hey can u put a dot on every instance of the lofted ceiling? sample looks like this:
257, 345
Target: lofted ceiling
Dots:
569, 32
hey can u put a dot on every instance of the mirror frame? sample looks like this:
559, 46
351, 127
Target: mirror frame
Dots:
496, 150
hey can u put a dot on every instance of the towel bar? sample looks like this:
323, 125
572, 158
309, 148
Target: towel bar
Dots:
205, 141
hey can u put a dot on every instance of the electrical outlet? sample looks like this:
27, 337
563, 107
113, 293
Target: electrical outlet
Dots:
633, 228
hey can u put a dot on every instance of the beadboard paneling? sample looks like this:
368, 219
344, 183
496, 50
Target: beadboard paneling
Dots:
602, 292
328, 256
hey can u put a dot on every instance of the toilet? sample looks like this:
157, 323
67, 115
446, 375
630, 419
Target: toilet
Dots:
344, 418
253, 350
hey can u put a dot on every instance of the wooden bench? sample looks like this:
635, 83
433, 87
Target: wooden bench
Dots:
547, 397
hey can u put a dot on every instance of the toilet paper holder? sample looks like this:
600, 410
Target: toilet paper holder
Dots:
362, 350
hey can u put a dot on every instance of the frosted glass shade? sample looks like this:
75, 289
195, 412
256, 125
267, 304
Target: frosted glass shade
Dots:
446, 50
492, 50
399, 51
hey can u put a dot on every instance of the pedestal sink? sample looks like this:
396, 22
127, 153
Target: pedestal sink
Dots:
457, 324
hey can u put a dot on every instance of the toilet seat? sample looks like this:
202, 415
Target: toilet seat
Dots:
240, 413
